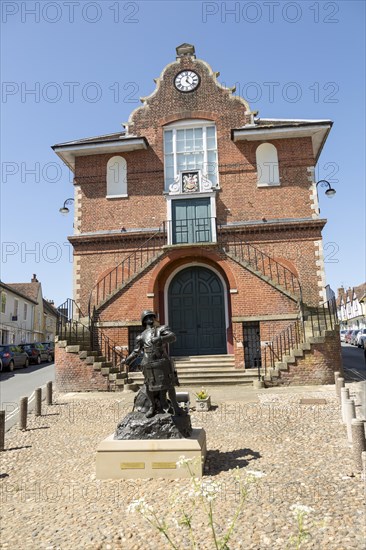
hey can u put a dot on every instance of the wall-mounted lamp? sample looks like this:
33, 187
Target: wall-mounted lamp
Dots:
330, 192
64, 210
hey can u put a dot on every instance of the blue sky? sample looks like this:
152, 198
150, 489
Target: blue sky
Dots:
89, 62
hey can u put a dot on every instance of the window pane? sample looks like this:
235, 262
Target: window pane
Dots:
189, 134
198, 144
169, 172
198, 133
180, 146
169, 160
211, 131
189, 145
180, 135
168, 142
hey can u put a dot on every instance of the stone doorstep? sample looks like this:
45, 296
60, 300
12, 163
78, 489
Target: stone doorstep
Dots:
72, 349
154, 458
97, 366
90, 359
83, 354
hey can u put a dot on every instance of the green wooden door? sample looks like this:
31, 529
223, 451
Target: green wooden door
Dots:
191, 221
197, 312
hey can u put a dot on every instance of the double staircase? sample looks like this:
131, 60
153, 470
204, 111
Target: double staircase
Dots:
79, 334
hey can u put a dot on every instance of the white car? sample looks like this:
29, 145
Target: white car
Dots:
343, 334
360, 335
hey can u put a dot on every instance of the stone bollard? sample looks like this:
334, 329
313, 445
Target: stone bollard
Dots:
339, 385
49, 393
336, 375
363, 459
38, 402
358, 442
362, 397
350, 414
2, 430
344, 397
23, 412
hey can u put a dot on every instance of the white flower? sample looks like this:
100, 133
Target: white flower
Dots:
138, 505
184, 461
255, 474
301, 509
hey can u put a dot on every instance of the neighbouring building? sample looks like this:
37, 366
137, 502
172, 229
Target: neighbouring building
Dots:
351, 306
208, 215
25, 315
50, 316
17, 316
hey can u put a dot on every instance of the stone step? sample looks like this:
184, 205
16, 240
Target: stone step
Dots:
242, 377
223, 357
205, 368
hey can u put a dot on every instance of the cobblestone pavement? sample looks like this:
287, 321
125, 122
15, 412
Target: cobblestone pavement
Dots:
51, 499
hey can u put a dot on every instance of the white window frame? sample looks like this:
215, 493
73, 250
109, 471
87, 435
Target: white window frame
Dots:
187, 125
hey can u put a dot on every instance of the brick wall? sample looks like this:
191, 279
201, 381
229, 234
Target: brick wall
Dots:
73, 374
318, 365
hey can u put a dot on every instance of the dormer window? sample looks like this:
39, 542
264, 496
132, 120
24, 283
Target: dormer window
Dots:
190, 145
267, 165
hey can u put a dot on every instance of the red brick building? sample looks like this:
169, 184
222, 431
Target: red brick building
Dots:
208, 215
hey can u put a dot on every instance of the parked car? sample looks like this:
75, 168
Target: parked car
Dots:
352, 340
361, 332
12, 357
362, 341
37, 353
51, 348
343, 334
348, 336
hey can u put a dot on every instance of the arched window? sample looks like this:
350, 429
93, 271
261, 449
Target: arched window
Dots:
267, 165
116, 177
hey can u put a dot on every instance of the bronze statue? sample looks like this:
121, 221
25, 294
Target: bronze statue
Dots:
159, 373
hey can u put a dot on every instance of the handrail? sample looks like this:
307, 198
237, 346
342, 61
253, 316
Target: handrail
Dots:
69, 325
106, 346
321, 318
324, 316
128, 267
260, 261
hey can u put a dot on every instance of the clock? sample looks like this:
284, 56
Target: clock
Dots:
187, 81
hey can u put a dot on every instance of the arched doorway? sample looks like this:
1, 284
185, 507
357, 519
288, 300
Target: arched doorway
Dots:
196, 306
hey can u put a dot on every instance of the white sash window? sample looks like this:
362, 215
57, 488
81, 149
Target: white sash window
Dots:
190, 145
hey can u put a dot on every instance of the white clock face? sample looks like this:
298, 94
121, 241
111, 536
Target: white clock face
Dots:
186, 81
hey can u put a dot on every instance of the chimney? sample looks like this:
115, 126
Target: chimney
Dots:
34, 279
340, 291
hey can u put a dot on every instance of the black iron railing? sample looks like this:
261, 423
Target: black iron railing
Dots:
123, 272
285, 342
106, 347
69, 324
191, 230
318, 320
259, 261
323, 317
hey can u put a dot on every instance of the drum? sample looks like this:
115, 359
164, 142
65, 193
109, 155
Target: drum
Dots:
158, 374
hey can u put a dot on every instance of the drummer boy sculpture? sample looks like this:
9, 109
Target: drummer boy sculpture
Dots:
159, 374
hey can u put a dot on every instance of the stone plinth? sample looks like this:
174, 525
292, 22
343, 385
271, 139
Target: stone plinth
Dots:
150, 458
